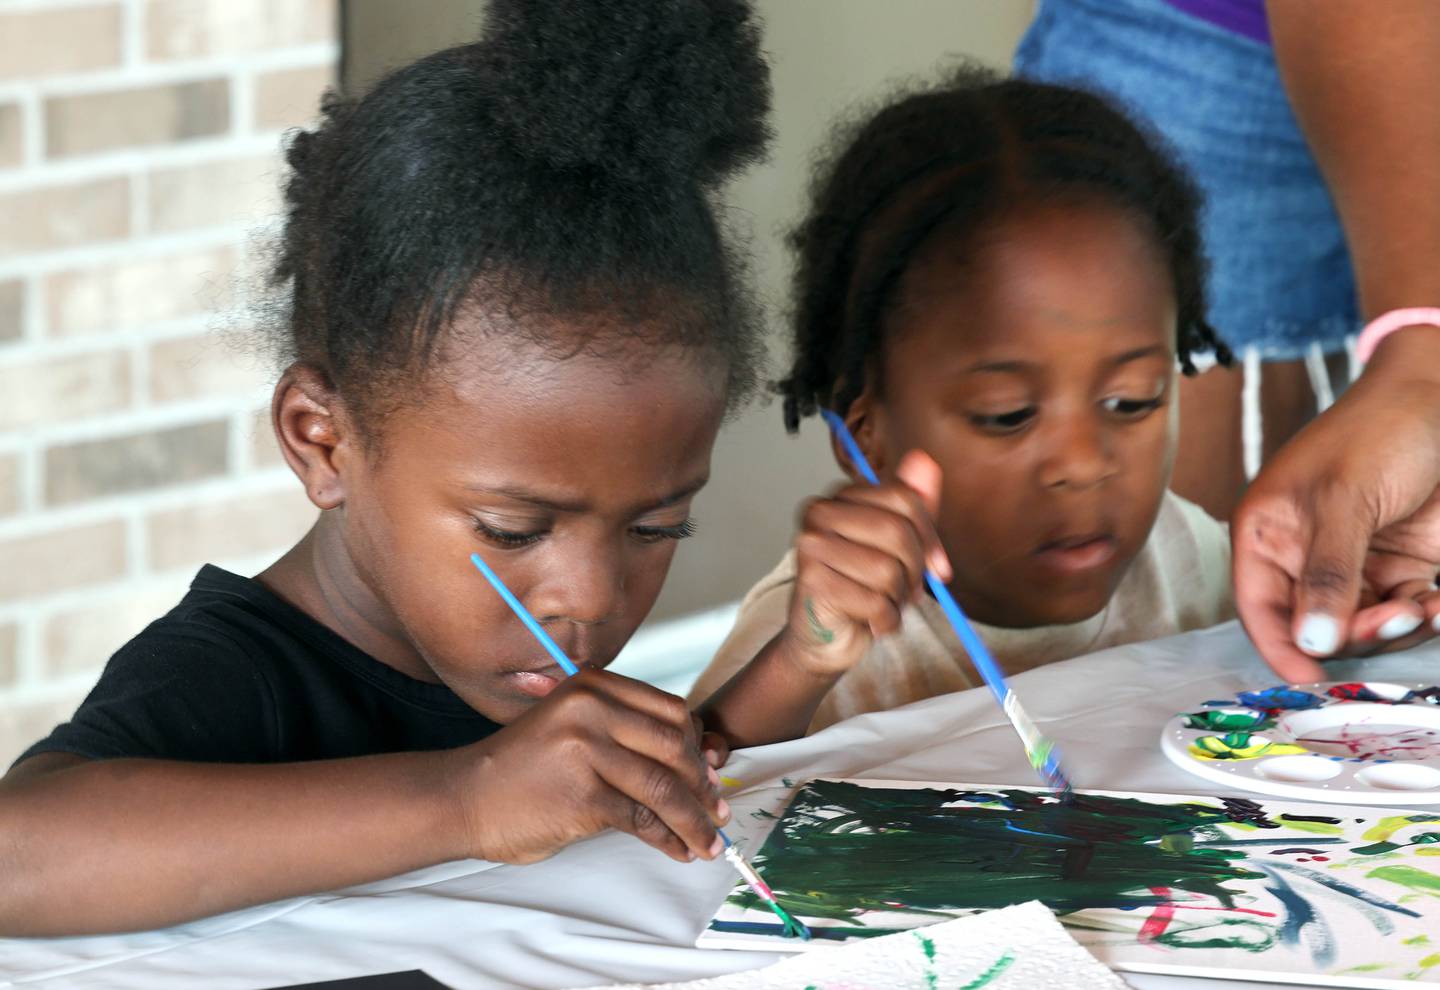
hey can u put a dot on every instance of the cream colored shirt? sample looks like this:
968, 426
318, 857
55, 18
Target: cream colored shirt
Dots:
1179, 581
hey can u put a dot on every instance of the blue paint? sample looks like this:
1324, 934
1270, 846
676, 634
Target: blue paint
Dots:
1298, 917
1328, 881
1282, 698
831, 934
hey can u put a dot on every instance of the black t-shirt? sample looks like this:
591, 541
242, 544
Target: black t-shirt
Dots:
234, 674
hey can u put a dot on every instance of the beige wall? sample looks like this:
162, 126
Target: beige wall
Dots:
138, 155
826, 54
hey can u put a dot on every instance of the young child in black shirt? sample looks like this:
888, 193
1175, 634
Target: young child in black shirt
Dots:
514, 327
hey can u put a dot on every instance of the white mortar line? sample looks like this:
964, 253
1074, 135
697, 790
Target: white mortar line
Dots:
178, 71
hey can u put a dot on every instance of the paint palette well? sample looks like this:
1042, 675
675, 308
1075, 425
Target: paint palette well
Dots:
1352, 742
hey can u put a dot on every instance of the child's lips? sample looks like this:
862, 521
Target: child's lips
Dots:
539, 682
1078, 554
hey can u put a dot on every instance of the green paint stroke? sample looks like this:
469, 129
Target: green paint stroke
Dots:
932, 979
842, 850
1379, 848
999, 966
1417, 940
1431, 960
1419, 881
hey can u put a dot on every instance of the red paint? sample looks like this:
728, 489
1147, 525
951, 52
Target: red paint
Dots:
1160, 918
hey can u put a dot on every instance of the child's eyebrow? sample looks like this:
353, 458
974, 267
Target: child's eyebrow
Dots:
1154, 350
519, 494
1018, 367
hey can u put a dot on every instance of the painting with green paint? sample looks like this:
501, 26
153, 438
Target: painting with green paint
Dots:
1213, 886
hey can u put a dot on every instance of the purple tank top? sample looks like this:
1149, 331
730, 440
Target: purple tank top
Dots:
1244, 17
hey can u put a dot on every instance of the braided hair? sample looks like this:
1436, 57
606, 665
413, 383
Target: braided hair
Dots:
564, 165
955, 157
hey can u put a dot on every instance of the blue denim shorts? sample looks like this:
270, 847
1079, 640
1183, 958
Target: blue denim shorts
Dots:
1280, 275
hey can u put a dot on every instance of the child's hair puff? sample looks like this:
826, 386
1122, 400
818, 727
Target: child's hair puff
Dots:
949, 159
563, 166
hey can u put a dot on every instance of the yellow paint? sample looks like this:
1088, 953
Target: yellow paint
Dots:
1390, 824
1216, 748
1427, 851
731, 781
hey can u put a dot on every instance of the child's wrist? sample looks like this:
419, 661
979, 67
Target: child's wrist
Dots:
807, 660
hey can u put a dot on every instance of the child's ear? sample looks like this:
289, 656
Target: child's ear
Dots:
305, 413
864, 419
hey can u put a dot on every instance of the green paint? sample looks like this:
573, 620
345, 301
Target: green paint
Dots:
1417, 940
817, 628
1431, 960
1220, 933
1229, 721
999, 966
932, 979
842, 850
1409, 877
1365, 968
1423, 839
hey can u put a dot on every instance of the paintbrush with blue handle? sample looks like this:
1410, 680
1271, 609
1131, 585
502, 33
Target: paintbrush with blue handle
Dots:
794, 928
1041, 751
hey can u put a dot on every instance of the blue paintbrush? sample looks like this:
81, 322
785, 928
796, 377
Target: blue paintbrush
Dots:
1040, 750
793, 927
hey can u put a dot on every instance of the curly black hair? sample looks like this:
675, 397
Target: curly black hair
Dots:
957, 156
564, 165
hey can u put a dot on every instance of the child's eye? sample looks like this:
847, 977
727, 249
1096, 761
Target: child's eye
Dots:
654, 534
1007, 422
1132, 408
505, 537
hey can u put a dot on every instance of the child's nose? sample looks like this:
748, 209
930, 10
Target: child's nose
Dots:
588, 592
1081, 455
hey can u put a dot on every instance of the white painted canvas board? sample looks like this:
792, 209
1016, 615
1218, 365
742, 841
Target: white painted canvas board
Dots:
1258, 889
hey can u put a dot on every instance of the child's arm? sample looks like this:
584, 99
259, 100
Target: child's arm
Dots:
859, 560
126, 844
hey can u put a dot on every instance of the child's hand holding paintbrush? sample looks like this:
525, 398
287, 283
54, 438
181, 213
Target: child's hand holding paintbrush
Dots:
860, 559
602, 751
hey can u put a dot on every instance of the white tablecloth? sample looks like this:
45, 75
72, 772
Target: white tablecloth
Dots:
610, 909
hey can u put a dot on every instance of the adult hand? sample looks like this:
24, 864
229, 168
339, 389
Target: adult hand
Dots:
601, 751
1337, 542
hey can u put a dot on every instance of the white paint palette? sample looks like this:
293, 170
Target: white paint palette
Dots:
1350, 742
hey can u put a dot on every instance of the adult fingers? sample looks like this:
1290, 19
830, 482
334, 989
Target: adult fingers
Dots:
1266, 559
1327, 590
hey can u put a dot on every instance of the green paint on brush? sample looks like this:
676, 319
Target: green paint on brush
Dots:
1409, 877
843, 850
999, 966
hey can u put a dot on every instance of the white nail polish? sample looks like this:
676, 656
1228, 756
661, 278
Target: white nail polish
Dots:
1399, 625
1319, 635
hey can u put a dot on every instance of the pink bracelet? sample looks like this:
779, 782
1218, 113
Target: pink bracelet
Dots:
1387, 323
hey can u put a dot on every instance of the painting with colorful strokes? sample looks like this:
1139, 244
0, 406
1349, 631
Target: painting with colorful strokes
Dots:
1357, 743
1151, 883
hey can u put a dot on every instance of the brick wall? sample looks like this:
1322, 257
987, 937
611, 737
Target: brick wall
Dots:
138, 172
